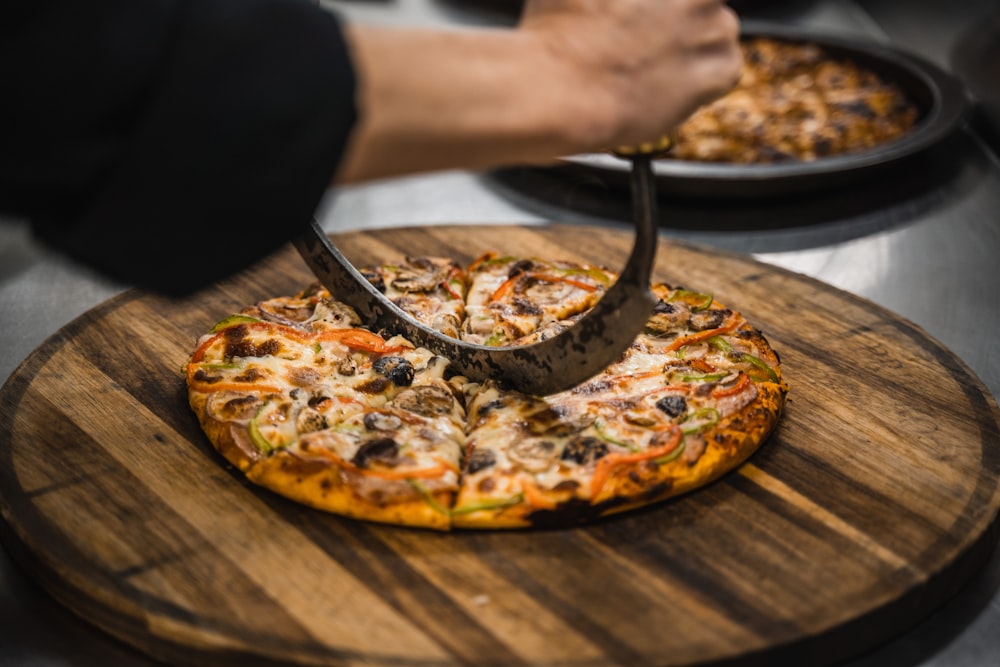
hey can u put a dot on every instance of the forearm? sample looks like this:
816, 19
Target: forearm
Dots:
575, 76
433, 100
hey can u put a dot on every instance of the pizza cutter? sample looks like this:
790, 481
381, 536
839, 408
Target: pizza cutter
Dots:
576, 354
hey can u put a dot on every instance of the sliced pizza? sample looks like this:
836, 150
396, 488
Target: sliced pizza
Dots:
430, 289
308, 403
510, 298
331, 415
693, 397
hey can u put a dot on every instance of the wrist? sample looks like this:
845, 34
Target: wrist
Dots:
468, 99
579, 113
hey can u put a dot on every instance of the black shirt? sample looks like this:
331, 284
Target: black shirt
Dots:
170, 143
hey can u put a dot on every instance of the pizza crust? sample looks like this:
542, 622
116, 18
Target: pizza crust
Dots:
326, 487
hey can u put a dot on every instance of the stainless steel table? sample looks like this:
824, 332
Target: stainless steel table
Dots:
933, 258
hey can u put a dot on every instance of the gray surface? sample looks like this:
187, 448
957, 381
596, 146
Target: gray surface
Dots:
933, 257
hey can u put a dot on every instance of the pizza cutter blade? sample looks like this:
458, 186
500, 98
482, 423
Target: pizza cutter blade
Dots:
576, 354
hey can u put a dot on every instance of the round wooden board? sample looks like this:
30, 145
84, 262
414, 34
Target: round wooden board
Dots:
876, 498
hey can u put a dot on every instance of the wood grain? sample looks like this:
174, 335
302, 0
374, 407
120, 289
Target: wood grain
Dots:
875, 500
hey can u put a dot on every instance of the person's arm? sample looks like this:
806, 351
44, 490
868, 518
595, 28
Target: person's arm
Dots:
575, 76
169, 144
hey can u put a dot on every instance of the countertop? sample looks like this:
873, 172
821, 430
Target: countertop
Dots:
929, 254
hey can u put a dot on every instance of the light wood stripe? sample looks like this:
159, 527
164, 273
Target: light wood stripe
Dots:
822, 516
485, 595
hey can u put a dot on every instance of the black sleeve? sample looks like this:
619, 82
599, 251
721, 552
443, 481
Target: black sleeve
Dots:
170, 143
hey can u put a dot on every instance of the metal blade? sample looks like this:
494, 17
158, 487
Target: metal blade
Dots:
549, 366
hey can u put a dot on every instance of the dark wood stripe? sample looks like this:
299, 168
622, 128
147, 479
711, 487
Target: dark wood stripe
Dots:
707, 577
898, 527
544, 587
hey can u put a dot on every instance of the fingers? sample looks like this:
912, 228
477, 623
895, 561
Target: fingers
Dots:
719, 51
652, 62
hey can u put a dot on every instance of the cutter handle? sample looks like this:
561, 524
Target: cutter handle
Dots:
656, 148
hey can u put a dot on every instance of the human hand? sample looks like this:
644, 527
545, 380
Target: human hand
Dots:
644, 65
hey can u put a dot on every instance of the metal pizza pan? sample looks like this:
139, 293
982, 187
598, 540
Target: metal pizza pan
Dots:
941, 99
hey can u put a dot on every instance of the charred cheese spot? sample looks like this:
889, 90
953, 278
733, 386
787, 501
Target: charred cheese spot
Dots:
491, 406
230, 406
201, 375
520, 266
310, 420
598, 386
250, 375
375, 279
375, 385
709, 319
244, 347
584, 450
558, 421
480, 459
522, 306
567, 486
318, 401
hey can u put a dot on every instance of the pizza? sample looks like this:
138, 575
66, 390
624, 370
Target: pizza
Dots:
795, 102
298, 394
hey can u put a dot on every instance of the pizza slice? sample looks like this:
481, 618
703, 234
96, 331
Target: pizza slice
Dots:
430, 289
308, 403
332, 416
510, 298
692, 398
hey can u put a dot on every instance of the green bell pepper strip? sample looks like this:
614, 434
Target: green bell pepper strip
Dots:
720, 344
604, 435
704, 377
596, 274
489, 505
428, 498
760, 365
221, 367
667, 458
497, 260
468, 509
232, 321
766, 373
686, 295
256, 437
698, 414
496, 339
689, 429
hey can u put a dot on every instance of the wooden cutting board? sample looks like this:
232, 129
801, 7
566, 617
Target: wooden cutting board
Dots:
876, 499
